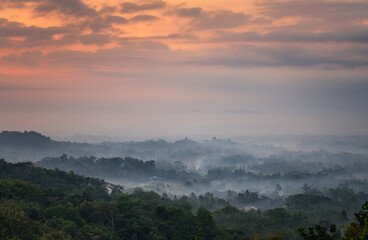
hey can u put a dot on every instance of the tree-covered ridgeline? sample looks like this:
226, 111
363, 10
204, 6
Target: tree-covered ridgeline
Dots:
51, 204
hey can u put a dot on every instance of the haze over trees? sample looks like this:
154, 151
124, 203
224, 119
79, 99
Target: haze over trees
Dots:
218, 189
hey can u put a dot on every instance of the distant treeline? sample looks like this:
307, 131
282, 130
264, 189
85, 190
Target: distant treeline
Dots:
114, 168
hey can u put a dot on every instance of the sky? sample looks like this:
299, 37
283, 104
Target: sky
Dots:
184, 68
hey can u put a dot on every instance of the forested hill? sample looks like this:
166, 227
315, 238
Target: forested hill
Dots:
33, 146
66, 211
25, 139
119, 169
96, 188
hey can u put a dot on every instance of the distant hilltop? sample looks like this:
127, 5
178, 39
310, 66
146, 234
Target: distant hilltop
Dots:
32, 138
33, 146
26, 138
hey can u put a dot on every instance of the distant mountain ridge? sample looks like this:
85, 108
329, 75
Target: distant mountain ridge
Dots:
33, 138
33, 146
25, 139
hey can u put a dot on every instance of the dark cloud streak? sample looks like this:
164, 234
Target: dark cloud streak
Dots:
129, 7
249, 56
68, 7
356, 35
334, 11
143, 18
219, 20
188, 12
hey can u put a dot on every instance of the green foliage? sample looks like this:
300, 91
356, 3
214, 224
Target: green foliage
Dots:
112, 168
353, 231
30, 211
14, 222
358, 231
56, 179
362, 215
274, 221
320, 233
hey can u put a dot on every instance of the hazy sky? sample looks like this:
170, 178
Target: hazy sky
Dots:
184, 68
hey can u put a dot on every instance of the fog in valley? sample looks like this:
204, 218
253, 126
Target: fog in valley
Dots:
263, 172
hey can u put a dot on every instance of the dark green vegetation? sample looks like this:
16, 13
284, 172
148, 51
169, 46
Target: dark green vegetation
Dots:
72, 211
353, 231
51, 204
56, 179
114, 168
